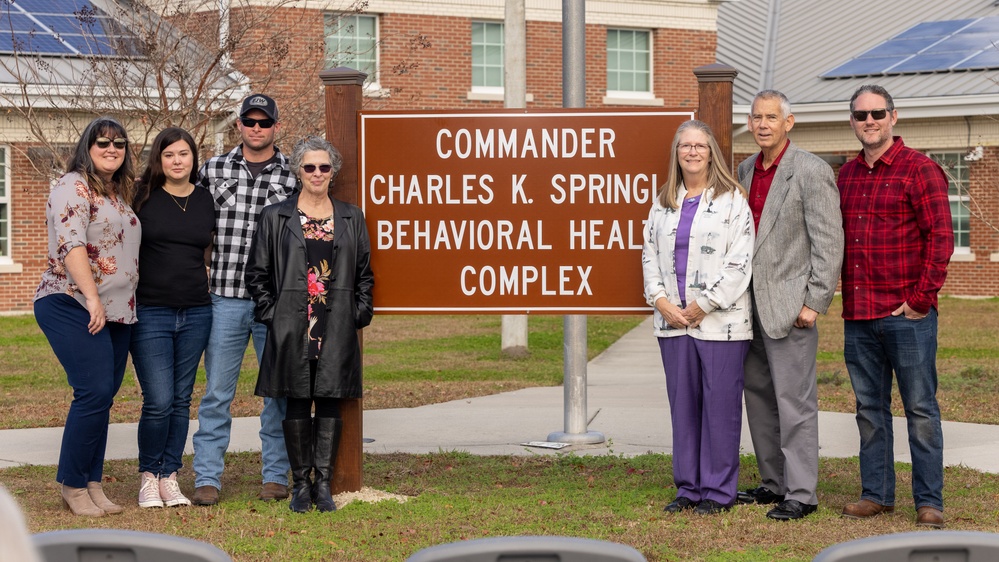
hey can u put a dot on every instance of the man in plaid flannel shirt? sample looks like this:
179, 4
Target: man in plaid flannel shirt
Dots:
899, 239
251, 176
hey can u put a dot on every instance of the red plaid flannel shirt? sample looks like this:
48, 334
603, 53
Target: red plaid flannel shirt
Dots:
899, 234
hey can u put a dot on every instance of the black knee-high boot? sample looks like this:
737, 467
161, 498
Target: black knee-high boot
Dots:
327, 440
298, 440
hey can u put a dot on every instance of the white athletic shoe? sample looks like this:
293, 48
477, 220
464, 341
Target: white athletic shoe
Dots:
170, 492
149, 491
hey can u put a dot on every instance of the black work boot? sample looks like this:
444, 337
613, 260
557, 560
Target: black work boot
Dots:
298, 442
327, 440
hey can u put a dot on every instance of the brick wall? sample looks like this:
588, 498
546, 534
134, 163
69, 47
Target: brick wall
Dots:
439, 76
981, 276
29, 193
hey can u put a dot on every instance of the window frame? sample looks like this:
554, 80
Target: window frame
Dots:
630, 94
957, 192
5, 201
372, 84
486, 89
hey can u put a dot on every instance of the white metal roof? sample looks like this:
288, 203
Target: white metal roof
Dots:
810, 37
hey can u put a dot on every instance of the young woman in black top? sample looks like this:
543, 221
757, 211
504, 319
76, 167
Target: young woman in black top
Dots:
174, 308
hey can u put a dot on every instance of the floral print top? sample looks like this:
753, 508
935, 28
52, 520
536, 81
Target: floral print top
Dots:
319, 254
77, 216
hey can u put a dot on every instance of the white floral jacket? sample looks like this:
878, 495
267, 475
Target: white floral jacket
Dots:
719, 265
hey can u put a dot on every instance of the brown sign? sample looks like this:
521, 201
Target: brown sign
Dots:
511, 212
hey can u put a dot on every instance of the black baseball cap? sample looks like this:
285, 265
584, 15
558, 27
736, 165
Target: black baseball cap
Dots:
261, 102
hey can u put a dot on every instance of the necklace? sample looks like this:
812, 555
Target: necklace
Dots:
186, 200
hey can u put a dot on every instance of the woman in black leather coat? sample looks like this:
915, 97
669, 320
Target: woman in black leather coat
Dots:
309, 273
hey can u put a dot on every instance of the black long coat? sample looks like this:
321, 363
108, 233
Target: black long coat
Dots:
276, 274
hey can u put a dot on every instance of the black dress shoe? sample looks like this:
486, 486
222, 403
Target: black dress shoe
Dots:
760, 495
710, 507
791, 509
680, 504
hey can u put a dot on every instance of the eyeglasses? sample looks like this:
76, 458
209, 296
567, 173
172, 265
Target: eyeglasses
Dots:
311, 168
104, 142
249, 122
877, 114
686, 147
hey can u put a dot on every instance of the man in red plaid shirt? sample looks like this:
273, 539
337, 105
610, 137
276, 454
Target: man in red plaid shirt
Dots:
899, 239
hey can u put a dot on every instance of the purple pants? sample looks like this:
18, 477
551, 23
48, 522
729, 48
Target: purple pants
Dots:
704, 381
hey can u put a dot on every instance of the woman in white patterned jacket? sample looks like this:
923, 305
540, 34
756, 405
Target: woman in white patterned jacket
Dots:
697, 261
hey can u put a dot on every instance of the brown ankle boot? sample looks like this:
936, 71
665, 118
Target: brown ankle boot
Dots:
96, 492
78, 501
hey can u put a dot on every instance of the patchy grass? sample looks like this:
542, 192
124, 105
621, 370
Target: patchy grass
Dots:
967, 362
416, 360
457, 496
409, 361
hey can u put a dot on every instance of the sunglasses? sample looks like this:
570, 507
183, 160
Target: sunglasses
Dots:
877, 114
104, 142
249, 122
311, 168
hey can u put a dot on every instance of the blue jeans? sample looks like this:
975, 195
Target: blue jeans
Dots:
167, 344
95, 366
232, 326
873, 350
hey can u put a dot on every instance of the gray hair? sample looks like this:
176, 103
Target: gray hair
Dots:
312, 143
785, 104
876, 90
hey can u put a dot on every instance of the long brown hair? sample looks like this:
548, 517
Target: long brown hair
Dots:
153, 176
122, 183
720, 179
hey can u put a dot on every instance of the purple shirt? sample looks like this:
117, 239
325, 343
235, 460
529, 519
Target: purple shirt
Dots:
687, 211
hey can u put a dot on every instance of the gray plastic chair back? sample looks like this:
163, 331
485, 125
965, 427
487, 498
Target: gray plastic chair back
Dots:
114, 545
925, 546
529, 549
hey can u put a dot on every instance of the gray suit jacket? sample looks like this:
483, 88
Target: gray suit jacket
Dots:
799, 242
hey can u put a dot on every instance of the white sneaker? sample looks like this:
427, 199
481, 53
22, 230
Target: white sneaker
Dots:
149, 491
170, 492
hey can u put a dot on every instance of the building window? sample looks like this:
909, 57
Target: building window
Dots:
629, 63
487, 57
352, 41
956, 169
4, 206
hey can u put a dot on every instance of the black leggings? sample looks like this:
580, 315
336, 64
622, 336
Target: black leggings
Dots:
301, 408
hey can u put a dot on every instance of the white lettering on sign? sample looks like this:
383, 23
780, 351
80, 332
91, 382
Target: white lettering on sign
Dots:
460, 235
595, 235
502, 143
518, 280
613, 189
430, 190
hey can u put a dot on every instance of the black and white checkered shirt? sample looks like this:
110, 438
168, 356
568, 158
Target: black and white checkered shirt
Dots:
238, 202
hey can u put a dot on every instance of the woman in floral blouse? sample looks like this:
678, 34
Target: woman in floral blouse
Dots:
85, 303
697, 260
309, 273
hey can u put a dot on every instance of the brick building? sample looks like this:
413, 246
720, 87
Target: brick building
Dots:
939, 63
419, 54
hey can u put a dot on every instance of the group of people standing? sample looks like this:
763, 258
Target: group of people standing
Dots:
185, 261
738, 271
171, 266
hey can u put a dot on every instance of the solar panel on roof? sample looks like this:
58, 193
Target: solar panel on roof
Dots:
986, 59
938, 46
934, 28
61, 27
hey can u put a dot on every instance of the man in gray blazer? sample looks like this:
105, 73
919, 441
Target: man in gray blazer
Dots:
796, 264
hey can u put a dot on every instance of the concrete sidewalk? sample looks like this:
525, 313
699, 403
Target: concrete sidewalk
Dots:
626, 402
